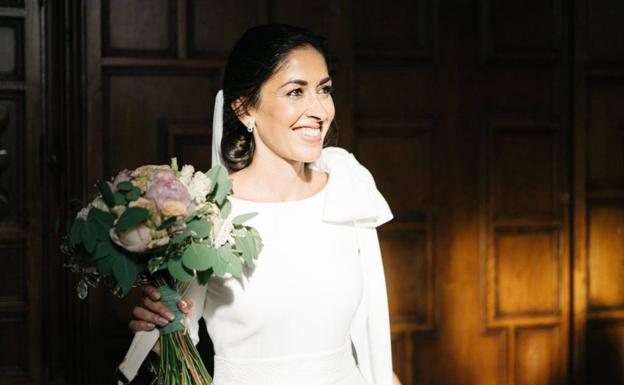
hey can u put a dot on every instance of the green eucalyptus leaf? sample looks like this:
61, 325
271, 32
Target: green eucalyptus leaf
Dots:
179, 237
89, 235
105, 265
247, 247
235, 266
226, 209
201, 227
125, 186
102, 250
199, 256
119, 199
177, 269
125, 271
104, 218
131, 217
107, 193
75, 234
223, 259
238, 220
223, 185
133, 194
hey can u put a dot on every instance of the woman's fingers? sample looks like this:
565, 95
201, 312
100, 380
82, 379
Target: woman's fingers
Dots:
185, 305
158, 308
144, 314
151, 292
141, 326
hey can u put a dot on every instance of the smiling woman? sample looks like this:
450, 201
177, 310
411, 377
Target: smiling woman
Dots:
314, 308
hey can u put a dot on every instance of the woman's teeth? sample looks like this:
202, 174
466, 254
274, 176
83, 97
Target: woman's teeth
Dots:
309, 132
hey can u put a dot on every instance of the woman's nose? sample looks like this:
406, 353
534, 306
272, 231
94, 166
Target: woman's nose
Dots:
317, 108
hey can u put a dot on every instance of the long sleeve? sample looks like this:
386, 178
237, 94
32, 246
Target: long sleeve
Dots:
378, 320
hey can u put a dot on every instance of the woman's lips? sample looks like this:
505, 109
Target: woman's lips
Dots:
311, 134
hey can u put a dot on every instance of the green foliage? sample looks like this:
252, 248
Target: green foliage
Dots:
199, 256
200, 227
240, 219
107, 193
131, 217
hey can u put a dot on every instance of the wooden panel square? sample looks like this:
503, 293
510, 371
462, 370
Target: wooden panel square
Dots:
139, 28
327, 18
12, 199
11, 48
393, 158
398, 92
395, 28
13, 355
524, 173
604, 32
522, 91
525, 30
526, 272
407, 275
12, 274
605, 134
605, 352
606, 256
536, 356
137, 101
189, 142
214, 26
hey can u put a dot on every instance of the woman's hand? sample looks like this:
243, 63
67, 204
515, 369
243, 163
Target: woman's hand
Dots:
152, 312
395, 379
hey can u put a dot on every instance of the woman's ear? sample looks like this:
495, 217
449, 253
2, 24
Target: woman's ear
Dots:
241, 111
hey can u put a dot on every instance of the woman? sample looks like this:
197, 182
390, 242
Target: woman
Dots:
314, 308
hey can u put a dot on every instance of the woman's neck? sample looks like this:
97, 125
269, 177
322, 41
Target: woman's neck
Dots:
270, 177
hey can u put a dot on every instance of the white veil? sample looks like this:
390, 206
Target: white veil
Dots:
217, 129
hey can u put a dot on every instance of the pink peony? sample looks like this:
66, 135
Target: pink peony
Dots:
165, 187
123, 176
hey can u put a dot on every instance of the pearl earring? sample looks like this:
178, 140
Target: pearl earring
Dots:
250, 125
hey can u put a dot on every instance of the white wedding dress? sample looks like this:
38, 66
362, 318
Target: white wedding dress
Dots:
292, 318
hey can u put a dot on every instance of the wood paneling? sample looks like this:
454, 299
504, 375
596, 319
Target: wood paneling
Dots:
606, 257
139, 28
11, 48
527, 273
605, 347
536, 356
12, 199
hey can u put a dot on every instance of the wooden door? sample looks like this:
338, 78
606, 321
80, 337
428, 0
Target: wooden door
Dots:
598, 287
461, 111
20, 193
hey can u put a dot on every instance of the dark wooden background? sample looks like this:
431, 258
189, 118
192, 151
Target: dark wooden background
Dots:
494, 128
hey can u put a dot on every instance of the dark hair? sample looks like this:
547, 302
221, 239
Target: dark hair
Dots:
258, 55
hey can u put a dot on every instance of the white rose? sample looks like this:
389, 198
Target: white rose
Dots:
199, 187
221, 231
186, 174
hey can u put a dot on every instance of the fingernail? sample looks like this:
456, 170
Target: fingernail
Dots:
162, 321
156, 295
151, 325
171, 316
183, 303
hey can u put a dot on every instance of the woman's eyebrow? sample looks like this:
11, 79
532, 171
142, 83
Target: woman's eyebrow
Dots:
302, 82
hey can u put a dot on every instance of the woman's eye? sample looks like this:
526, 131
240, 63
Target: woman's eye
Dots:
295, 92
327, 90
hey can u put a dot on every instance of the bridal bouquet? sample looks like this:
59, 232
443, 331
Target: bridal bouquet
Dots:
162, 226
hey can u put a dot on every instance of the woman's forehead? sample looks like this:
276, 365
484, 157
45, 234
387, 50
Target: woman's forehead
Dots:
303, 63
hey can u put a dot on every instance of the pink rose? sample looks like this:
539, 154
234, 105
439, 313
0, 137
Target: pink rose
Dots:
135, 239
123, 176
165, 187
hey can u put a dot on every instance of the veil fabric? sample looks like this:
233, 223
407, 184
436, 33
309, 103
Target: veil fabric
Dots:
217, 130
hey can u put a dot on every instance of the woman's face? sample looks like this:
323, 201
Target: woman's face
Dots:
295, 108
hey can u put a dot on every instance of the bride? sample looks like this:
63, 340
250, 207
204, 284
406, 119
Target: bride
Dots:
313, 310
